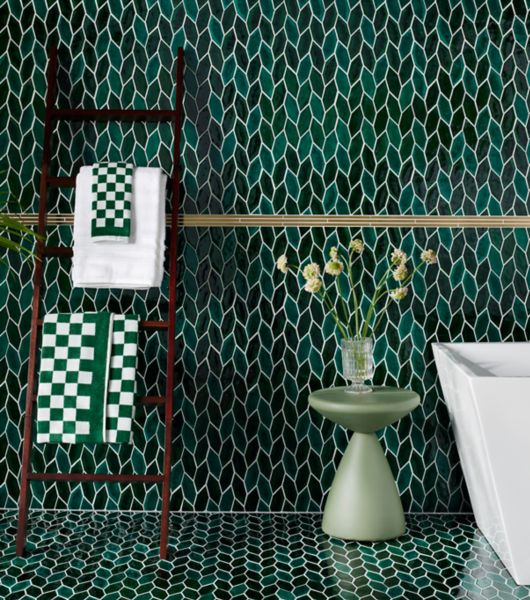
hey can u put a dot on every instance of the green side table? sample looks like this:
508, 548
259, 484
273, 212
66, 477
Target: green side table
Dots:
363, 503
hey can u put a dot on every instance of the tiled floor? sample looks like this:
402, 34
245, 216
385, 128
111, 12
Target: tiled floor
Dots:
109, 555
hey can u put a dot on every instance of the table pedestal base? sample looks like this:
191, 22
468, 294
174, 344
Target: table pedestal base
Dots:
363, 503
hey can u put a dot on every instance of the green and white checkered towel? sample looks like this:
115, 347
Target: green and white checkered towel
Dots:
122, 378
87, 378
111, 202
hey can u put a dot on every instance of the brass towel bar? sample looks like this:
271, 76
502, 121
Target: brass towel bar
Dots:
278, 220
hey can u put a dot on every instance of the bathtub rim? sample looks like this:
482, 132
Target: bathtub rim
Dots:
470, 368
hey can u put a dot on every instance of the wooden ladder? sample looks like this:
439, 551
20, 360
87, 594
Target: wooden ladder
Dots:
43, 251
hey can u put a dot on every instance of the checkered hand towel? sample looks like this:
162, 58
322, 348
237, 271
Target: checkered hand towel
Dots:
87, 378
111, 202
122, 378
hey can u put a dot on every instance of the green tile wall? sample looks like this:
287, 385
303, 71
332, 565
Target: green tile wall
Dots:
380, 107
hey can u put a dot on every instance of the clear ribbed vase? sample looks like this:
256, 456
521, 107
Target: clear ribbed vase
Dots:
358, 363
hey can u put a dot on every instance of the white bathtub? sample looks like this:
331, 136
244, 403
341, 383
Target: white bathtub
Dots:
487, 390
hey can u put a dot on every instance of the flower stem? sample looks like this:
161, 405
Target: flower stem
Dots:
353, 293
344, 308
409, 278
333, 313
381, 314
296, 270
375, 299
404, 283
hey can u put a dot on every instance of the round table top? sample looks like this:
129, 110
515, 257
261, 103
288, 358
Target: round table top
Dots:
364, 412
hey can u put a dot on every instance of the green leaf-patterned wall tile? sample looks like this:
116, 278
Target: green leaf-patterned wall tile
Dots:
290, 107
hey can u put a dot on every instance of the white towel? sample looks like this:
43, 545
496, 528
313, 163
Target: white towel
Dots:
136, 265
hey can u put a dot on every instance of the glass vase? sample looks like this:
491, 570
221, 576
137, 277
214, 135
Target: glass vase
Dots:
358, 363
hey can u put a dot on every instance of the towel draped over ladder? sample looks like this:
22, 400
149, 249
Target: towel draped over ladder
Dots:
87, 378
134, 262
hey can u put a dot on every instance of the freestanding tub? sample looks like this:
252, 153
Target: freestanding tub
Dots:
487, 390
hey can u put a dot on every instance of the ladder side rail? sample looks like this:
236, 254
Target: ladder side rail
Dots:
37, 282
175, 207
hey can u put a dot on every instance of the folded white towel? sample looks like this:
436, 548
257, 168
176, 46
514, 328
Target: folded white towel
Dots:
136, 265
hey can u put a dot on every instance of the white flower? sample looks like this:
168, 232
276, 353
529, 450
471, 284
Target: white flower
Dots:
357, 246
399, 293
313, 285
429, 257
311, 271
334, 267
281, 264
400, 272
398, 257
334, 253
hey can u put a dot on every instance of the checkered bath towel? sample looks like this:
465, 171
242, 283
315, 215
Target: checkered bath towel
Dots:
111, 202
87, 378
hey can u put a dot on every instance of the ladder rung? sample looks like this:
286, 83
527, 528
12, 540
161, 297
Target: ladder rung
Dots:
61, 181
154, 324
143, 324
112, 114
95, 477
152, 400
147, 400
57, 251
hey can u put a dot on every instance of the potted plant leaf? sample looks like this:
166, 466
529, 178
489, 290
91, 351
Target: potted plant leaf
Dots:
14, 235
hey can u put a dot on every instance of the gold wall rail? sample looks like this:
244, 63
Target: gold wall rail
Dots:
405, 221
